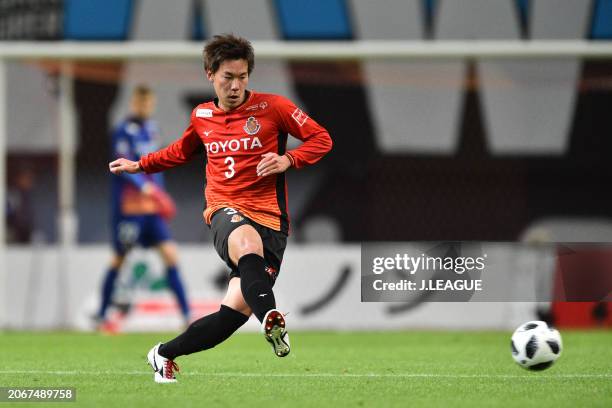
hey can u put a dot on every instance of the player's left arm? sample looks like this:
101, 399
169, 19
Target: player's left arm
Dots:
316, 140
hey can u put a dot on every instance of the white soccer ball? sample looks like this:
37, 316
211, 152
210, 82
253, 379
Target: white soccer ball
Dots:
535, 346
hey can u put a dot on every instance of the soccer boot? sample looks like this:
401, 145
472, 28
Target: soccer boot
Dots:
273, 326
105, 326
164, 368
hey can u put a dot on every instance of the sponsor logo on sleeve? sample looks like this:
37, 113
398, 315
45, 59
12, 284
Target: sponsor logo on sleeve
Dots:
299, 116
204, 113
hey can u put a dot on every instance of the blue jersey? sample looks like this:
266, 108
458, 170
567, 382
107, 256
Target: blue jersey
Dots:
132, 139
135, 218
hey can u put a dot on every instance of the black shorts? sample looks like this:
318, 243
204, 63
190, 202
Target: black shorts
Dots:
225, 220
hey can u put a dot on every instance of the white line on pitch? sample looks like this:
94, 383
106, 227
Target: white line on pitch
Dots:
315, 375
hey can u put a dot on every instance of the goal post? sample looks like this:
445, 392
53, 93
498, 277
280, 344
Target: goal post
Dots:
306, 50
3, 178
309, 50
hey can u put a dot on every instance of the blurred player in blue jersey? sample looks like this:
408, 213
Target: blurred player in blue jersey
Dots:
140, 206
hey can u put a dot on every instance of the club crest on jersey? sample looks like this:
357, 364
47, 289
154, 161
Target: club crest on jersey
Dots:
252, 126
237, 218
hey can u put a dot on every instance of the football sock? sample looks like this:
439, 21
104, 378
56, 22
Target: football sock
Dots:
108, 286
256, 285
204, 333
176, 285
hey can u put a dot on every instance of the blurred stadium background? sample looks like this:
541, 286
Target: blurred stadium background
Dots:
471, 120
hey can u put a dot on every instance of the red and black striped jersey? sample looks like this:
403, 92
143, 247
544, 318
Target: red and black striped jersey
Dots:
234, 142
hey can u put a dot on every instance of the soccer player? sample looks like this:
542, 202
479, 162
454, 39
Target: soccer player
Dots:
244, 134
140, 205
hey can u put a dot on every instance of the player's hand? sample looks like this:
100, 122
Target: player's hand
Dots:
272, 163
124, 166
165, 204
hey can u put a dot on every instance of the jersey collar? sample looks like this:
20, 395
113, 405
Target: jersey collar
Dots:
249, 98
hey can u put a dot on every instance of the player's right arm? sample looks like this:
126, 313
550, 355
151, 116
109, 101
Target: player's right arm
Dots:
179, 152
123, 149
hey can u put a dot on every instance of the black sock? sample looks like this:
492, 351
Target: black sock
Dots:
204, 333
256, 285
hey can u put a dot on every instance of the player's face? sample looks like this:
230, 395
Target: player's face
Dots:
143, 106
230, 83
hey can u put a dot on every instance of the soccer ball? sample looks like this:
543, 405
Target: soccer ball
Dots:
535, 346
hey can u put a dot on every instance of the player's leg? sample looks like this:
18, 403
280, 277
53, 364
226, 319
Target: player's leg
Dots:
203, 334
156, 233
168, 252
212, 329
125, 233
246, 250
108, 284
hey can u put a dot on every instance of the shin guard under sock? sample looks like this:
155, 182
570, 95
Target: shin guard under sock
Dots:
204, 333
256, 285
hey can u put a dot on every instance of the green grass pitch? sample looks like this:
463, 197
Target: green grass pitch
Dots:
375, 369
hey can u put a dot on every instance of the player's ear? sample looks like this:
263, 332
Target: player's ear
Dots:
209, 75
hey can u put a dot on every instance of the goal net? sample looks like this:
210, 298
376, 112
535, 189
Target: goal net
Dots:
444, 141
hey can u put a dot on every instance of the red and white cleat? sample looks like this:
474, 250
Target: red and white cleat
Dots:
273, 326
163, 367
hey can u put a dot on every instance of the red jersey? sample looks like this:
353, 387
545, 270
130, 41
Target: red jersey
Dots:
234, 142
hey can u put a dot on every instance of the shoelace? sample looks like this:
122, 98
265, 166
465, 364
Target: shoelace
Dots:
170, 367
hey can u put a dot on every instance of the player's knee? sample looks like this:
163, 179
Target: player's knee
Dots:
246, 248
169, 253
171, 260
244, 240
117, 261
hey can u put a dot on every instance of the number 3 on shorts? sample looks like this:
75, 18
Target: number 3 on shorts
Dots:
229, 160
